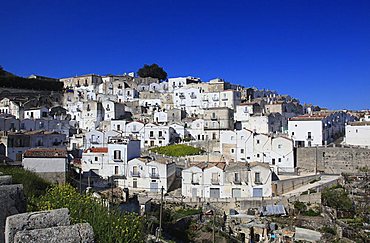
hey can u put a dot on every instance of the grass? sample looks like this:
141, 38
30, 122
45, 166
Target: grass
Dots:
185, 212
177, 150
33, 185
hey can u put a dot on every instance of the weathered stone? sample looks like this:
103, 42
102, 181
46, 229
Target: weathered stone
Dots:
66, 234
35, 220
12, 201
5, 180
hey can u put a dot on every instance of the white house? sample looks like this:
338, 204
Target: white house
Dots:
218, 180
49, 163
36, 113
149, 175
111, 160
175, 83
247, 146
158, 135
188, 99
358, 134
319, 128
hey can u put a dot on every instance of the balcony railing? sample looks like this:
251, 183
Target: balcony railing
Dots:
193, 96
215, 181
161, 137
135, 174
154, 175
237, 181
195, 181
215, 98
181, 96
205, 98
214, 119
309, 138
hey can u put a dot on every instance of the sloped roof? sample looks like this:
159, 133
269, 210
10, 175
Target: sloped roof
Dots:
96, 150
45, 153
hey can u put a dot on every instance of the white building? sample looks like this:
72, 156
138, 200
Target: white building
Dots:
111, 160
148, 175
49, 163
247, 146
188, 99
225, 98
175, 83
158, 135
358, 134
318, 129
36, 113
217, 180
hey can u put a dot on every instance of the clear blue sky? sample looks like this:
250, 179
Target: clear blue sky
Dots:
317, 51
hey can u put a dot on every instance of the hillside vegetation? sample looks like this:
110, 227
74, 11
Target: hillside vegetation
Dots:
177, 150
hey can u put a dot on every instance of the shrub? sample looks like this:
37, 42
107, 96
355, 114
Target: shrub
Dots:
33, 185
110, 225
336, 197
177, 150
329, 230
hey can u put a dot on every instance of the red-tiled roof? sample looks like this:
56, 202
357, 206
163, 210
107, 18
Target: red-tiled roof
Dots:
96, 150
45, 153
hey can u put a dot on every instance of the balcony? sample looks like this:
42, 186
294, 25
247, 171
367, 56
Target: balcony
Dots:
195, 181
237, 181
161, 137
215, 98
182, 96
309, 138
214, 118
258, 182
205, 98
154, 175
192, 96
135, 174
215, 181
225, 99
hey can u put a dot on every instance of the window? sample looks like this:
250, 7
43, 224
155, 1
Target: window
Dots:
118, 127
232, 151
279, 146
242, 151
117, 154
134, 183
236, 177
153, 171
279, 160
258, 141
258, 155
257, 178
292, 133
273, 161
160, 133
116, 170
96, 158
151, 134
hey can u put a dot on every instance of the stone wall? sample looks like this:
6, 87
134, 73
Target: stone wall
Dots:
283, 186
46, 226
333, 160
12, 201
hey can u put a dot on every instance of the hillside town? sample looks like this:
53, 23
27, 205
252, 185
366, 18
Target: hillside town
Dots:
258, 157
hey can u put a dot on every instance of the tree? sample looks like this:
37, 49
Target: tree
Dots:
153, 71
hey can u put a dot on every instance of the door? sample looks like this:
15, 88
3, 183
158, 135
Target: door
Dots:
257, 192
236, 192
214, 193
154, 187
194, 192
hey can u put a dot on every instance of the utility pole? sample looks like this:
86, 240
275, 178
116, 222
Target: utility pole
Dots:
160, 215
213, 230
80, 170
316, 160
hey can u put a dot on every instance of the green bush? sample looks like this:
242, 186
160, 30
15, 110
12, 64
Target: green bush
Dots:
34, 84
110, 225
337, 197
177, 150
329, 230
33, 185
